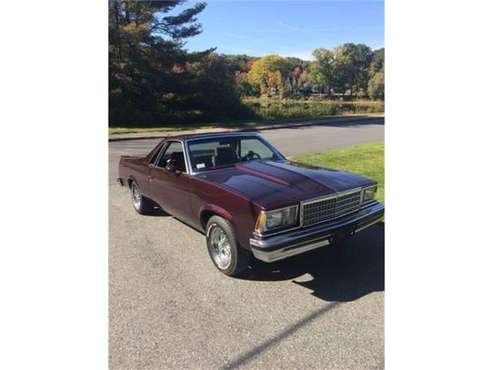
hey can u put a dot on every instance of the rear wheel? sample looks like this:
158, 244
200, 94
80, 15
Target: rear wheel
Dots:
142, 205
226, 254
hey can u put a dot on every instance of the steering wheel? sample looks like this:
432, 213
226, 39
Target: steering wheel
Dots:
251, 155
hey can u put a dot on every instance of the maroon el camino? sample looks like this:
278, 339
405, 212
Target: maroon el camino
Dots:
247, 198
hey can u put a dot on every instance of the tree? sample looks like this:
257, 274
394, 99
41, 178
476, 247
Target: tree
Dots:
269, 73
377, 61
376, 86
145, 48
362, 60
241, 63
243, 85
214, 88
322, 70
296, 75
351, 64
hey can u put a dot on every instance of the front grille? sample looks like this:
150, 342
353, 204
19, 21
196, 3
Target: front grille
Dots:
330, 208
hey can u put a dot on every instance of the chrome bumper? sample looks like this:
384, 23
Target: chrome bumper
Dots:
274, 248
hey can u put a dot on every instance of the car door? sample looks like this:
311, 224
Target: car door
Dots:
169, 181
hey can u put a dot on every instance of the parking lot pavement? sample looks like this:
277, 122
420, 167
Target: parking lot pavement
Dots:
170, 307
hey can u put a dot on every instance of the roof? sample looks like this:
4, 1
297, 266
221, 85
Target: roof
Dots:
213, 135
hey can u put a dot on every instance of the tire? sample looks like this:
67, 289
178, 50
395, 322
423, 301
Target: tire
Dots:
227, 255
141, 204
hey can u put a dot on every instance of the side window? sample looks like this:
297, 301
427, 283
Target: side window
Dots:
154, 156
173, 154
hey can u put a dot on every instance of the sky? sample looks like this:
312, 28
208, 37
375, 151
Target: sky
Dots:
287, 28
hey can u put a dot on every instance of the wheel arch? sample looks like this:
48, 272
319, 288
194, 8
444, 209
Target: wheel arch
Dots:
131, 180
209, 211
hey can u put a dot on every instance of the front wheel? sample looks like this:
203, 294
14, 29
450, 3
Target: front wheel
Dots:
226, 254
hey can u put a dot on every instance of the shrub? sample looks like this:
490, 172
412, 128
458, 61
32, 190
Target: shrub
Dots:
270, 109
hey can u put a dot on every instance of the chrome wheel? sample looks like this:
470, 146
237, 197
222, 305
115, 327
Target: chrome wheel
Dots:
220, 247
136, 196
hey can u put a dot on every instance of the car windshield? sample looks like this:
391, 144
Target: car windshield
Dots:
207, 154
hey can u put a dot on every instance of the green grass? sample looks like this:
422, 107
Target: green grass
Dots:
366, 160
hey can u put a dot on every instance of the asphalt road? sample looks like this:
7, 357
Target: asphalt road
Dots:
171, 309
290, 141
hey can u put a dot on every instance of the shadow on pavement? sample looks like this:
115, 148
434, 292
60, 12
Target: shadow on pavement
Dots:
264, 346
345, 273
157, 212
341, 273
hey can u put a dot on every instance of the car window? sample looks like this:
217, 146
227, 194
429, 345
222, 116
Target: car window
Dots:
255, 146
156, 153
174, 154
216, 153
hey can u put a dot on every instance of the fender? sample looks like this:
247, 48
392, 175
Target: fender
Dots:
142, 187
218, 211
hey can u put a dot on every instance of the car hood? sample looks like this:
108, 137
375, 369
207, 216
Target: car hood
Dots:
274, 184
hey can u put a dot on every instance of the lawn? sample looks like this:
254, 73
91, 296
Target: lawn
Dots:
366, 160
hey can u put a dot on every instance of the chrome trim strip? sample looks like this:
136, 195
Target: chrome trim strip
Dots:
188, 163
289, 251
368, 225
222, 134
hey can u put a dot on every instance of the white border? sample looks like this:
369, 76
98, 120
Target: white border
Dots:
438, 142
54, 229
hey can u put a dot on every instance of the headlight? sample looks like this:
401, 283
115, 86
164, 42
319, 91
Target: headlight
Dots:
369, 194
278, 219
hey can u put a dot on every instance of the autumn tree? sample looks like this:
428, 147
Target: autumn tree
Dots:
243, 85
269, 74
296, 76
240, 65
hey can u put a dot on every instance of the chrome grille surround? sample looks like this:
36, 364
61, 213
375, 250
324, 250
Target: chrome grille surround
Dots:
331, 207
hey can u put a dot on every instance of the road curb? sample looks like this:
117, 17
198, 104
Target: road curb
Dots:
244, 129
